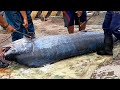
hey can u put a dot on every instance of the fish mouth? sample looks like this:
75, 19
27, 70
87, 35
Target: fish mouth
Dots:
9, 53
6, 49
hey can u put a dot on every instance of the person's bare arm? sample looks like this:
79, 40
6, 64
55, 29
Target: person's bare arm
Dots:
25, 20
5, 24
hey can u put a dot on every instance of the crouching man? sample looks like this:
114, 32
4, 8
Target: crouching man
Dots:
9, 28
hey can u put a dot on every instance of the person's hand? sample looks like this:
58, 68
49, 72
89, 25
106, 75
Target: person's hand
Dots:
25, 23
79, 13
10, 29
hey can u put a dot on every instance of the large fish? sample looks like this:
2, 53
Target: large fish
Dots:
49, 49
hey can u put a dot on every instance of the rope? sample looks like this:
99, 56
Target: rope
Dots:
5, 39
11, 36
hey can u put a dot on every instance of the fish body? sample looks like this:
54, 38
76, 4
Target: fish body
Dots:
49, 49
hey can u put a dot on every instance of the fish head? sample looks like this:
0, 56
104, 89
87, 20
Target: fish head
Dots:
16, 48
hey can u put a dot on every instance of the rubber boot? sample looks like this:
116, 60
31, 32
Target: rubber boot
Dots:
108, 46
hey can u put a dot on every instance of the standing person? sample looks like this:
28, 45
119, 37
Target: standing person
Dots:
70, 16
40, 16
111, 25
48, 15
21, 21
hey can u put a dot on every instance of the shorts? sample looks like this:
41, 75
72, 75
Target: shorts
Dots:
71, 16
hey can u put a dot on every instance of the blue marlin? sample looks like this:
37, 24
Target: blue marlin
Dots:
50, 49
